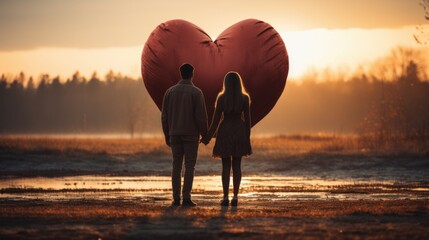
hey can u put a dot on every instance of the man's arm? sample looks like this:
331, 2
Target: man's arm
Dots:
164, 118
200, 114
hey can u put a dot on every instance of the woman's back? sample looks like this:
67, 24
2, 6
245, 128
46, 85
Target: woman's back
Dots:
234, 113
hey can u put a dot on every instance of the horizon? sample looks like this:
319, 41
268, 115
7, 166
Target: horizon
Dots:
336, 40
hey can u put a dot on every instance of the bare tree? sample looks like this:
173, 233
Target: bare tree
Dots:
422, 36
394, 66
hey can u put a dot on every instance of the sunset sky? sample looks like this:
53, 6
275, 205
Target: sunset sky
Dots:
60, 37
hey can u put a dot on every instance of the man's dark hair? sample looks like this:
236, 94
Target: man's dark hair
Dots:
186, 71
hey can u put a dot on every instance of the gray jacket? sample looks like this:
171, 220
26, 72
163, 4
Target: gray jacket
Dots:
184, 110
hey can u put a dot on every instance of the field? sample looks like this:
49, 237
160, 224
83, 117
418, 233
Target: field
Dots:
295, 186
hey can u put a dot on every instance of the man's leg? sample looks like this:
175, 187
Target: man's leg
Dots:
176, 178
191, 152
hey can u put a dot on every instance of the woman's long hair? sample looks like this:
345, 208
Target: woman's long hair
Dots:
233, 91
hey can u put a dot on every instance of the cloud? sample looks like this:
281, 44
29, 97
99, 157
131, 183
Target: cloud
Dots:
28, 24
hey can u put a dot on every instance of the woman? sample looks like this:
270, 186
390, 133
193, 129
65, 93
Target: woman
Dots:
233, 133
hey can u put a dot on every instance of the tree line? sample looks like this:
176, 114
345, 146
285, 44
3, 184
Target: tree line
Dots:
113, 104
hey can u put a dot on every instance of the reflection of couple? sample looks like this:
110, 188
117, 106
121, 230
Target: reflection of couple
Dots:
184, 119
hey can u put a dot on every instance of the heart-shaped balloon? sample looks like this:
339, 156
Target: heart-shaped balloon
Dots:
251, 47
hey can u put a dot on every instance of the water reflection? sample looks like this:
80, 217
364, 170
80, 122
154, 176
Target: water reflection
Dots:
254, 188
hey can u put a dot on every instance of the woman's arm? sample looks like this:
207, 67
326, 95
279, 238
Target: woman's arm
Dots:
247, 115
216, 119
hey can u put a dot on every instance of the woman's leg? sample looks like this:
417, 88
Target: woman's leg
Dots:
226, 170
236, 171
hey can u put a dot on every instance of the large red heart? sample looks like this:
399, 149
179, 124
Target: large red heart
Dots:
251, 47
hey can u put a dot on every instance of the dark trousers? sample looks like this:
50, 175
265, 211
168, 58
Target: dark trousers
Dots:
183, 146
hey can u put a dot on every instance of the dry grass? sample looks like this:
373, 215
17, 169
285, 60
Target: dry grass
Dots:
397, 145
297, 144
274, 145
90, 145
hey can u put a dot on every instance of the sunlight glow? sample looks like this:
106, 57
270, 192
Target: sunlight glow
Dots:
342, 49
317, 49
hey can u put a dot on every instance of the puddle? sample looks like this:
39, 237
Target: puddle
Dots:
158, 188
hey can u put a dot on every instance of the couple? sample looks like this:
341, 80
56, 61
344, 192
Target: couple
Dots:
184, 119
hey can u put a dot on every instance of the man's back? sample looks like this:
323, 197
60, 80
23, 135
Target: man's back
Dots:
184, 111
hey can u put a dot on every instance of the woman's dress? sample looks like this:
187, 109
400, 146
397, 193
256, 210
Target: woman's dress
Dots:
233, 133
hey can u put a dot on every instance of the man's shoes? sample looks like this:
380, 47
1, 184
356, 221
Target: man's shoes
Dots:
234, 202
188, 203
224, 203
175, 203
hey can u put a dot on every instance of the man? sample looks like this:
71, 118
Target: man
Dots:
184, 119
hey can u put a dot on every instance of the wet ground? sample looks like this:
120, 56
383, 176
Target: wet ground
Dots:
299, 192
270, 207
253, 189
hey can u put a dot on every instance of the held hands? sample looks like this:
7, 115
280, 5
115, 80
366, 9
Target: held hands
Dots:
202, 140
205, 140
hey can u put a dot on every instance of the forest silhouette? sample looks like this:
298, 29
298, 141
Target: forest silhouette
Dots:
388, 101
114, 104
